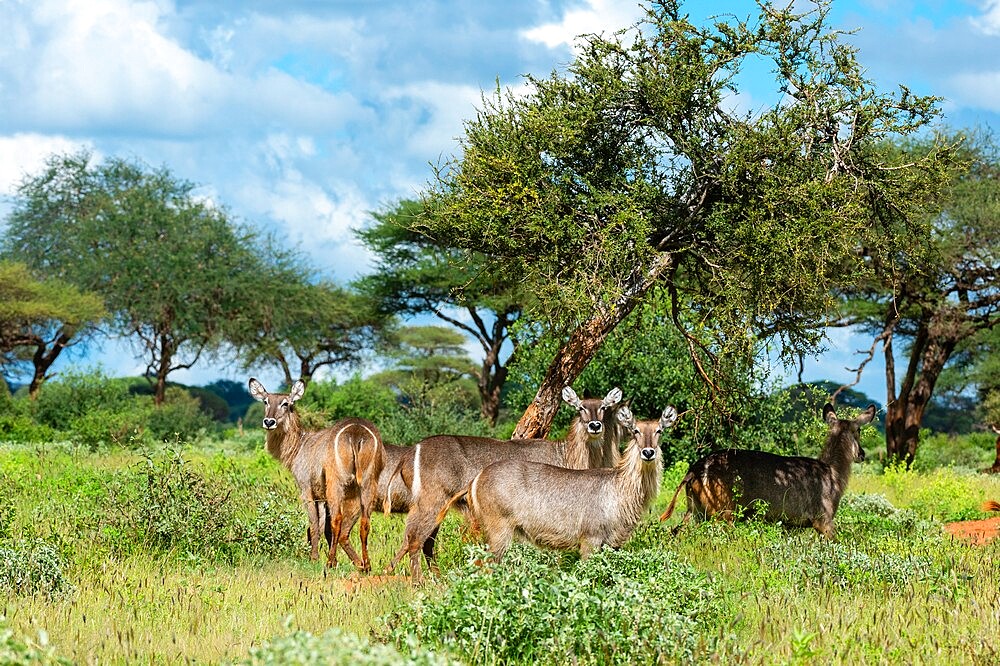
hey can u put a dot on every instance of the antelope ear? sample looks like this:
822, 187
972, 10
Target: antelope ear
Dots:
298, 388
668, 418
829, 415
626, 418
613, 397
866, 416
257, 390
571, 398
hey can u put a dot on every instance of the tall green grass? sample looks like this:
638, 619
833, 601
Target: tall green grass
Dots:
174, 555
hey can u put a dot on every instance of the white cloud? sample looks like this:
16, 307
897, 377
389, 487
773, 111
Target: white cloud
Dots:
433, 113
989, 22
25, 155
597, 16
978, 90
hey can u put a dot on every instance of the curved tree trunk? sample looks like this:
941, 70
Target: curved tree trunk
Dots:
583, 344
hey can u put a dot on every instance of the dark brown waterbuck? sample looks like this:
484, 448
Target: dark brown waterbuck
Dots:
443, 465
556, 507
334, 468
792, 489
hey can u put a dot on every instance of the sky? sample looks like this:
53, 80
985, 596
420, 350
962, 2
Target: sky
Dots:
304, 116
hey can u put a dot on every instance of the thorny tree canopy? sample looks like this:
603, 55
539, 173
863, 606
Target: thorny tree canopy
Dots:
636, 167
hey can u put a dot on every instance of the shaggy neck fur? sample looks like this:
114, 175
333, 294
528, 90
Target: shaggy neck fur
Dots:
581, 454
638, 483
838, 453
285, 440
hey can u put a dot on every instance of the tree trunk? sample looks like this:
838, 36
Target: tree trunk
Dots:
162, 370
43, 360
928, 356
571, 359
995, 469
583, 344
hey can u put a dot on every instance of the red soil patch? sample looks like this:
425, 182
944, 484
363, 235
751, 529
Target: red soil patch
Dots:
976, 532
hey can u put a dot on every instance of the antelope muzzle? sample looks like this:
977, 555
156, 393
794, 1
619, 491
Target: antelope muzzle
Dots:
270, 424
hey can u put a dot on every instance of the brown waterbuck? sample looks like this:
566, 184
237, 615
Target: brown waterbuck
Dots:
443, 465
792, 489
398, 495
333, 468
569, 509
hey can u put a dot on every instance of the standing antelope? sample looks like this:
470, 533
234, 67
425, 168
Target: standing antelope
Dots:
443, 465
398, 495
335, 466
794, 490
565, 509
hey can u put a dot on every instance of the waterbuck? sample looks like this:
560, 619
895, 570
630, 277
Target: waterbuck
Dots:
335, 467
398, 494
568, 509
442, 465
791, 489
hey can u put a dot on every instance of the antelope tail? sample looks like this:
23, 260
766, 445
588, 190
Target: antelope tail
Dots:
991, 505
673, 500
387, 500
456, 498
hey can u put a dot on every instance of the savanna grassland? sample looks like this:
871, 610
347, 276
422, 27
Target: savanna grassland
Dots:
198, 555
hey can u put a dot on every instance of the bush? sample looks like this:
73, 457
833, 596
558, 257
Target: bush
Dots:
338, 647
618, 607
356, 397
171, 506
32, 567
180, 417
16, 651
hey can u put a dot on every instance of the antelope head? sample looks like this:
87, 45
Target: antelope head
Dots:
595, 414
848, 428
277, 406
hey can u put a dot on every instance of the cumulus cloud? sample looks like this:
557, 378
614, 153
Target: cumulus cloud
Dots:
595, 17
989, 21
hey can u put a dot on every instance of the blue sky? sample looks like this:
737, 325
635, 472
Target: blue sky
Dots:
303, 116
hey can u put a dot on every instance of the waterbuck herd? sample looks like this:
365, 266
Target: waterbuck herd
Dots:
584, 492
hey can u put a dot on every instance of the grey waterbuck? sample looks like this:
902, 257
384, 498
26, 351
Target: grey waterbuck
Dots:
565, 509
333, 467
443, 465
791, 489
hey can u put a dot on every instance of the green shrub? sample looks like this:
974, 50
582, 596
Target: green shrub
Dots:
357, 397
618, 607
336, 646
180, 417
16, 651
966, 452
32, 567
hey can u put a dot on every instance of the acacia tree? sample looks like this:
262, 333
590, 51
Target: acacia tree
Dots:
633, 170
417, 275
173, 269
940, 303
41, 318
301, 326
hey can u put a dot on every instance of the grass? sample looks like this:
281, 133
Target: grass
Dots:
892, 588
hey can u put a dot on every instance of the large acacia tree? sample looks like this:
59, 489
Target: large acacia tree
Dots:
174, 270
634, 169
417, 275
937, 307
301, 326
39, 319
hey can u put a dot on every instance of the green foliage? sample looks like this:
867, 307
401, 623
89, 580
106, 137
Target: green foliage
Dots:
618, 607
362, 398
18, 651
174, 270
32, 567
336, 646
969, 453
180, 417
170, 506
